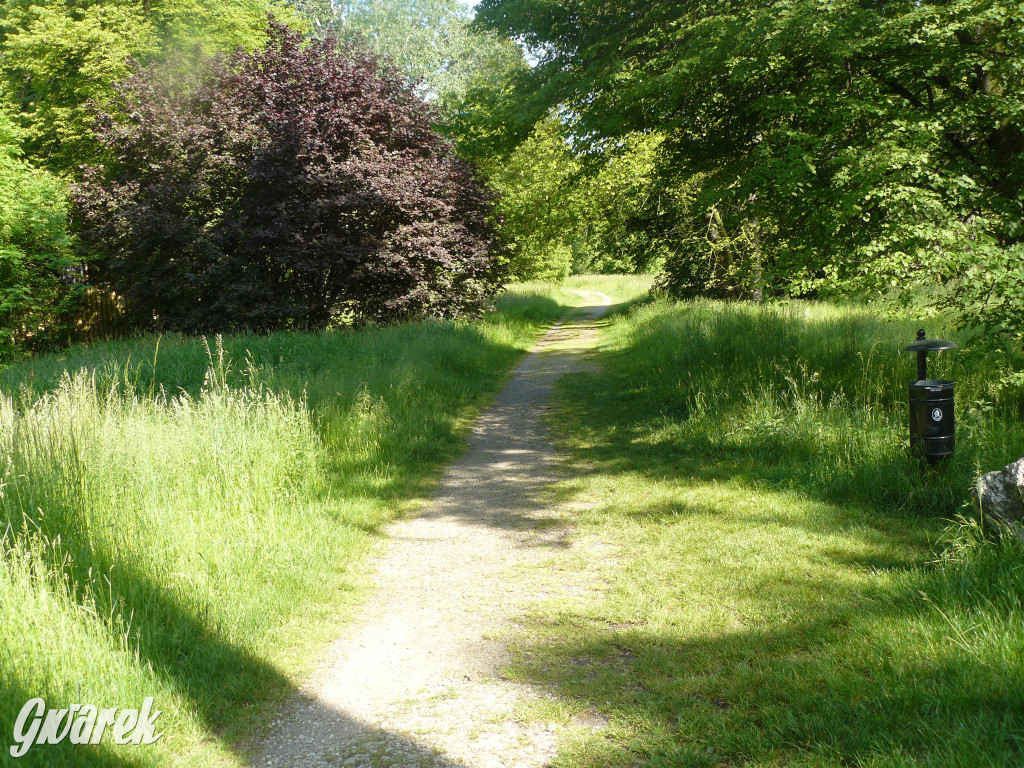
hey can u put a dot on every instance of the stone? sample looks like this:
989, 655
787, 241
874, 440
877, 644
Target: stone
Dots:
1000, 495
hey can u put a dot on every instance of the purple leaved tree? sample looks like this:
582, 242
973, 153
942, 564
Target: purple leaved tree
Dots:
290, 187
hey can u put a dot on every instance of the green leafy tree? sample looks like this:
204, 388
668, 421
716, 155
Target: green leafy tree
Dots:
561, 213
620, 209
59, 58
56, 59
838, 145
35, 250
534, 205
431, 41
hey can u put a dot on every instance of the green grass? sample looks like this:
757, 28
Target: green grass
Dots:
189, 523
778, 584
622, 289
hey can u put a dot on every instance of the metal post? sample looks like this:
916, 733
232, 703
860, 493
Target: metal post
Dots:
922, 359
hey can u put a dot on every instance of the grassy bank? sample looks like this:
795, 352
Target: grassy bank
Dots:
782, 585
186, 520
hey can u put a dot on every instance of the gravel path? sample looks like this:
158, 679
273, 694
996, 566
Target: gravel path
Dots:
415, 679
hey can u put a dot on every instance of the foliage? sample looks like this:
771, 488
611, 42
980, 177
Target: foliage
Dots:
560, 214
431, 41
621, 209
297, 185
990, 294
834, 145
58, 57
537, 219
35, 250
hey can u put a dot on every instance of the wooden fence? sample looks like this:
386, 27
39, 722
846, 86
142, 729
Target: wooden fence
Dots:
100, 316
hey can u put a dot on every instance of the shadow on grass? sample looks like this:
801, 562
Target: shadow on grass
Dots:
800, 693
779, 400
772, 665
227, 688
824, 648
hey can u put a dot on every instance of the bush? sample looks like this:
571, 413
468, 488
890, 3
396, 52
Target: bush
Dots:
34, 249
295, 186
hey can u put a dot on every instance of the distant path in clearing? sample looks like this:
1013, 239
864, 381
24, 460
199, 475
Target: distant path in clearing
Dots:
414, 680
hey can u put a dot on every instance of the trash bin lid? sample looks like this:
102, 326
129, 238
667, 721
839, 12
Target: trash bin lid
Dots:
932, 385
930, 345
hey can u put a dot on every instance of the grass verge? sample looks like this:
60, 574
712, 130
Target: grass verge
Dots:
188, 523
779, 583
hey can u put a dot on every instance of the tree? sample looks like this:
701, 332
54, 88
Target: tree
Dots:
533, 204
56, 58
839, 145
431, 41
621, 210
35, 250
560, 215
294, 186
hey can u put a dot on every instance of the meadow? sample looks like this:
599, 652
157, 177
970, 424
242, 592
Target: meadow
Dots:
779, 581
185, 518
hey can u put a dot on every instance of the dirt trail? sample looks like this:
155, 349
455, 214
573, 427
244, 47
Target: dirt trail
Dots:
414, 679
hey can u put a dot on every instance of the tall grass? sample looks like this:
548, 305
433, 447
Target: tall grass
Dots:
815, 394
812, 398
785, 583
185, 519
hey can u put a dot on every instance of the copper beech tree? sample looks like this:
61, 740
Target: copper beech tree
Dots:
289, 187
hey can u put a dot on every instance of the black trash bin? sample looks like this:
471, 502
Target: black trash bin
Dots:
932, 430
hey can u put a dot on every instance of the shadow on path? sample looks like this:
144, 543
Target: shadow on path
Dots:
423, 657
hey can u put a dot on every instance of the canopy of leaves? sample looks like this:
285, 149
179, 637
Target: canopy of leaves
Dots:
35, 251
297, 186
836, 144
558, 215
431, 41
537, 218
57, 56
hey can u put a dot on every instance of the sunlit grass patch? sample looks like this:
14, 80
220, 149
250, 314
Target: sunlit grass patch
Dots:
782, 582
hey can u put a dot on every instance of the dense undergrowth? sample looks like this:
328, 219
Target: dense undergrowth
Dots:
786, 586
184, 518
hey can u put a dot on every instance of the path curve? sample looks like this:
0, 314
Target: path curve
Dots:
414, 680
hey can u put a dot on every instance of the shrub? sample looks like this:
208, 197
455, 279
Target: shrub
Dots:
34, 249
290, 187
